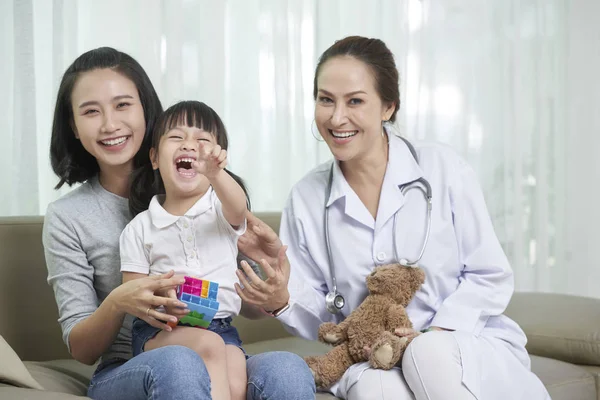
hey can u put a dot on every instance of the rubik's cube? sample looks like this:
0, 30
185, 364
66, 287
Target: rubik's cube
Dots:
200, 296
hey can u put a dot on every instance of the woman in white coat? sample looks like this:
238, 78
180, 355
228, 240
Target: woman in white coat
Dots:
470, 350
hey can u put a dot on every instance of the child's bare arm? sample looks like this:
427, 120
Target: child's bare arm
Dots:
129, 276
212, 160
232, 197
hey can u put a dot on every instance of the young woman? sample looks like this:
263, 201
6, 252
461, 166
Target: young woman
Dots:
368, 207
105, 110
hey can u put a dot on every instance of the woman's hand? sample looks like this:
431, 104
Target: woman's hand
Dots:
259, 242
408, 333
436, 328
270, 294
137, 297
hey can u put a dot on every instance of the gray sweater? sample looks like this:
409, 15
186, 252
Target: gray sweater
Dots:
81, 243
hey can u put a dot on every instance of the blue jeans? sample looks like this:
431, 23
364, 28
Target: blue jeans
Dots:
141, 332
176, 372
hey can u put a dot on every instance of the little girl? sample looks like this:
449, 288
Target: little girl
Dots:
191, 227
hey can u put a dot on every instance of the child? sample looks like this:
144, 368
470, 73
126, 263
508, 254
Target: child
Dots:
193, 229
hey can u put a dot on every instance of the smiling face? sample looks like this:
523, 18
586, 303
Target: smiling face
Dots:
108, 118
177, 149
349, 111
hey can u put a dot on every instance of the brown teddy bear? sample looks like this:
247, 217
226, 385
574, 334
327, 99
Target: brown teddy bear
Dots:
391, 288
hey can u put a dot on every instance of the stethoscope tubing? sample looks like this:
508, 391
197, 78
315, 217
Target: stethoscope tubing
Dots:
335, 300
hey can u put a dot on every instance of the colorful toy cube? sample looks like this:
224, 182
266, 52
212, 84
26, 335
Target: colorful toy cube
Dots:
200, 296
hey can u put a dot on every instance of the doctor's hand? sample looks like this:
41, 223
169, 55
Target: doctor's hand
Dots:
270, 294
407, 333
410, 333
259, 241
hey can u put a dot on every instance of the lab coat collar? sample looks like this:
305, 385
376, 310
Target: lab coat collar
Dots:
402, 168
161, 218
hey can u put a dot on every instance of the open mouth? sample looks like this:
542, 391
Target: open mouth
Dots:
114, 142
184, 166
342, 135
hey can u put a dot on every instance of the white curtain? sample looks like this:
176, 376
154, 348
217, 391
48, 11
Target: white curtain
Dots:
512, 85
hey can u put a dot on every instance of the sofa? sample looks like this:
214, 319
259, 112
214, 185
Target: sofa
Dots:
563, 331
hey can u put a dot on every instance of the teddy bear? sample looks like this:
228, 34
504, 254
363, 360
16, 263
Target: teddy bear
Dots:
391, 287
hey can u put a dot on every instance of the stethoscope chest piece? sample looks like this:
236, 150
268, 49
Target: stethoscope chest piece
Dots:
335, 302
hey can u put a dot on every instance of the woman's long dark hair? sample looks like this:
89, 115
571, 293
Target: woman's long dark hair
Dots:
70, 161
146, 182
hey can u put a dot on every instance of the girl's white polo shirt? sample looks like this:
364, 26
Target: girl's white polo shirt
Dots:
200, 243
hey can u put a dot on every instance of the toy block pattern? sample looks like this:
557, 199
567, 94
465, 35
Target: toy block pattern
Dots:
200, 296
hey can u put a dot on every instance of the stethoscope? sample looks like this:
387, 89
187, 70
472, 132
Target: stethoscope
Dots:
334, 300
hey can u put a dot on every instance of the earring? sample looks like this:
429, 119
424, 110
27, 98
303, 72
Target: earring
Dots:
384, 123
318, 137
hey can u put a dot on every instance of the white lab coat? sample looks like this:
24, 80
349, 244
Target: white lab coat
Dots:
469, 281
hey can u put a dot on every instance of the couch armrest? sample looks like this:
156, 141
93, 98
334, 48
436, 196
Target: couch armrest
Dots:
559, 326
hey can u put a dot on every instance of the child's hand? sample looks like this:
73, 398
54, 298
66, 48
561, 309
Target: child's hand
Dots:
211, 159
173, 310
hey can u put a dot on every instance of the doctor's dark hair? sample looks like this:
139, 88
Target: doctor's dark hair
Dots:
375, 54
69, 160
147, 182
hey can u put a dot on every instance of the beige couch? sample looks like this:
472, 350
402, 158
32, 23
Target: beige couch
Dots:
563, 331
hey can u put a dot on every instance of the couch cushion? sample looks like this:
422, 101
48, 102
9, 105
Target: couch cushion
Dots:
559, 326
595, 371
258, 330
12, 369
13, 393
67, 376
296, 345
563, 380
